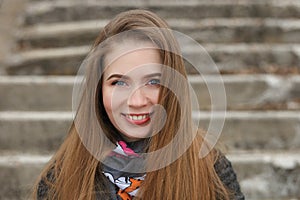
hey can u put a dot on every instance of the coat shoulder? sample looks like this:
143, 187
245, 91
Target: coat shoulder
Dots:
43, 185
226, 173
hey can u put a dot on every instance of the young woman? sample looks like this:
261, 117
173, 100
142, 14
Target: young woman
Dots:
132, 136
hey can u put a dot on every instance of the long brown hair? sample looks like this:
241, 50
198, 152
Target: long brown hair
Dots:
73, 172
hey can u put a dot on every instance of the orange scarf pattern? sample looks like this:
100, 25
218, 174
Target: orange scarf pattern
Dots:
127, 184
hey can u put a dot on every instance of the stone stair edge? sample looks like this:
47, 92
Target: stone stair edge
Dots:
65, 79
50, 29
281, 114
84, 49
232, 114
270, 80
42, 5
35, 115
284, 159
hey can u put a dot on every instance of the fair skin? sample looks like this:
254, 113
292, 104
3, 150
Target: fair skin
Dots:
130, 88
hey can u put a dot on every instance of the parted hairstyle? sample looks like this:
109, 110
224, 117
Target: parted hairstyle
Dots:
75, 173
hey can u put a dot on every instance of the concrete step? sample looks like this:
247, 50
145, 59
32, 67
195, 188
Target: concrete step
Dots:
57, 11
44, 131
212, 30
32, 131
268, 175
54, 93
262, 175
39, 93
228, 57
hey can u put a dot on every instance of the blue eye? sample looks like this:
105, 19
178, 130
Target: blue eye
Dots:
154, 82
120, 83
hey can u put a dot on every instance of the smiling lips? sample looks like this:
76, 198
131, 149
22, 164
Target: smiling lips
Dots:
138, 119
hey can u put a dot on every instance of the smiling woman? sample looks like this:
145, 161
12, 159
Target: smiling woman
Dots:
130, 89
133, 135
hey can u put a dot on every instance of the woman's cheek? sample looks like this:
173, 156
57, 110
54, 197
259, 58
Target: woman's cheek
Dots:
107, 101
154, 95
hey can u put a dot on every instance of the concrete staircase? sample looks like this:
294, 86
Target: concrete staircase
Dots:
255, 43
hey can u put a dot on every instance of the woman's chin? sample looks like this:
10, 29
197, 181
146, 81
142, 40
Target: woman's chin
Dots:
135, 135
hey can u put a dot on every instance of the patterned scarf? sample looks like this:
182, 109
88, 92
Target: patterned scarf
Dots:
119, 166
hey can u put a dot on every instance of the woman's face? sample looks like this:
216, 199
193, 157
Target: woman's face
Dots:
130, 88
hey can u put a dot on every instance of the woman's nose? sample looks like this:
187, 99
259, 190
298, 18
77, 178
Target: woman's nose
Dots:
137, 98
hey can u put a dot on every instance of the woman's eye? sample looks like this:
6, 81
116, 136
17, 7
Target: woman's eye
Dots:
120, 83
154, 82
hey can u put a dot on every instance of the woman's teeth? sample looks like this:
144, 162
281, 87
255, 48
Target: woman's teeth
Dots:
137, 117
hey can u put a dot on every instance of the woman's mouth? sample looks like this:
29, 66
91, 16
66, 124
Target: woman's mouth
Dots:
138, 119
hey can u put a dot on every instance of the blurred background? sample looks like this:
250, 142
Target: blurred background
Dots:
255, 44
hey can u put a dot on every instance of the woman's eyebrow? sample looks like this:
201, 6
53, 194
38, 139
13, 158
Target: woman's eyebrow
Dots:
127, 77
152, 75
117, 76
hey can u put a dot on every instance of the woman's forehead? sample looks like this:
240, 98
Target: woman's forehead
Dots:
124, 48
133, 59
